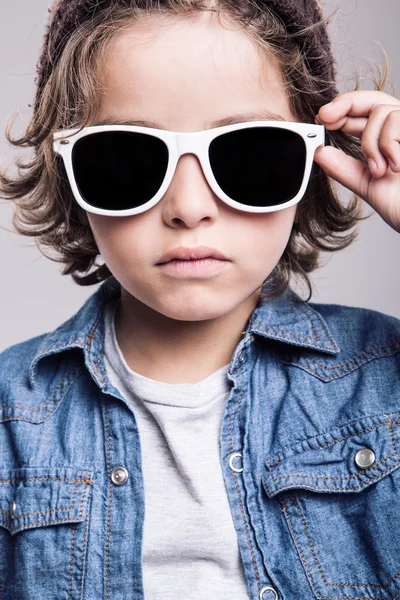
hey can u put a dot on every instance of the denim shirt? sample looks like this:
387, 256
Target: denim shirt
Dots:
309, 450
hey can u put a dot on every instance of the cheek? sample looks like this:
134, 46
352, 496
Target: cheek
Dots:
270, 232
104, 232
116, 237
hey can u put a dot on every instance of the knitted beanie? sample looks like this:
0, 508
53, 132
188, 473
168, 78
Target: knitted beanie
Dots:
67, 15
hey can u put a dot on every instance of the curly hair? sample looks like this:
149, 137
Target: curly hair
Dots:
44, 205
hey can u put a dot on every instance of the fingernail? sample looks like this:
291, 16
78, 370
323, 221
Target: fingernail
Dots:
372, 164
392, 165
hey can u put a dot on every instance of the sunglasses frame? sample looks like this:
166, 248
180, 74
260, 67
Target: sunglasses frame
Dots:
179, 144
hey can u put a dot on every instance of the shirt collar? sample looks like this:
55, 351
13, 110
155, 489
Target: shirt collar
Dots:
284, 318
288, 319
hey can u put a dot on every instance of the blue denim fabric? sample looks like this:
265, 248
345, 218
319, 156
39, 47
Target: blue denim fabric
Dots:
312, 385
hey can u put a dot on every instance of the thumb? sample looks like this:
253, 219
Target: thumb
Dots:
347, 170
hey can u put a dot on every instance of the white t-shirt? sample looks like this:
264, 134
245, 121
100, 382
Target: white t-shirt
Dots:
190, 549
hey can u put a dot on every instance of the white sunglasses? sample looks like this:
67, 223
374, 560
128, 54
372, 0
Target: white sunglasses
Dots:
256, 167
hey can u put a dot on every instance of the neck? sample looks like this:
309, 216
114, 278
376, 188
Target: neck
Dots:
174, 351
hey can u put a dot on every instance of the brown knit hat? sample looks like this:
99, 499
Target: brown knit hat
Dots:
67, 15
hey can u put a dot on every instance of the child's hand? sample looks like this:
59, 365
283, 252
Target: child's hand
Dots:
375, 118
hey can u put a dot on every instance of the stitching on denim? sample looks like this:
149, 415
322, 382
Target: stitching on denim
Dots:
309, 577
96, 371
92, 336
397, 343
95, 324
88, 481
109, 500
46, 415
291, 335
376, 585
42, 353
277, 458
50, 510
70, 519
239, 407
322, 323
340, 489
48, 401
72, 535
313, 329
70, 561
80, 341
231, 415
356, 475
65, 343
84, 542
41, 523
355, 366
84, 551
73, 540
247, 531
82, 504
288, 335
317, 561
269, 464
230, 429
238, 359
392, 432
284, 510
238, 489
231, 423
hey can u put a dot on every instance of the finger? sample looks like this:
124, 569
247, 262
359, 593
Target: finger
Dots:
380, 140
359, 103
355, 126
389, 141
345, 169
351, 125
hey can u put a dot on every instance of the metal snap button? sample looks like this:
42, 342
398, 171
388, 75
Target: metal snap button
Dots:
231, 459
119, 476
13, 509
265, 596
364, 458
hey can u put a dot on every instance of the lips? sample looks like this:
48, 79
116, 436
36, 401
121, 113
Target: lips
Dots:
183, 253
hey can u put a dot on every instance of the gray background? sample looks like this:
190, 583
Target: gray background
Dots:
35, 298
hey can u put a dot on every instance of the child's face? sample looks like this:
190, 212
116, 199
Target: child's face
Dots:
182, 75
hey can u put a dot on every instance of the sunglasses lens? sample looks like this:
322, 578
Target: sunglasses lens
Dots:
119, 170
259, 166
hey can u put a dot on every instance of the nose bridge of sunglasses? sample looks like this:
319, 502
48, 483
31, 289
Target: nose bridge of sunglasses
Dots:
190, 143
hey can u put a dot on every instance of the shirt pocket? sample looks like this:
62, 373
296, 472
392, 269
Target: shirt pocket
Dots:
341, 505
44, 520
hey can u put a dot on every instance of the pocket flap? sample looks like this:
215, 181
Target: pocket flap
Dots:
327, 462
36, 497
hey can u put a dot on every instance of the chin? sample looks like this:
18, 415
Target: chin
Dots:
191, 313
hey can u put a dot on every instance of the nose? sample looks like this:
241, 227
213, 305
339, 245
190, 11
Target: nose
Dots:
189, 200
